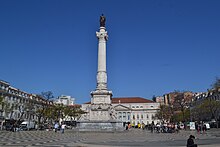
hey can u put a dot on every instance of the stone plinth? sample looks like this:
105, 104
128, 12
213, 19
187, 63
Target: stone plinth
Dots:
101, 97
108, 126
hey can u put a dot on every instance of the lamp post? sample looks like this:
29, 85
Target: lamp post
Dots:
190, 111
28, 116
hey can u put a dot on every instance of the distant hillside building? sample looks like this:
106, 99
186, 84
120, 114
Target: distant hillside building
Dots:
169, 98
131, 109
213, 94
65, 100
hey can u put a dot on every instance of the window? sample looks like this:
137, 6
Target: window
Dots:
129, 116
124, 115
119, 115
152, 116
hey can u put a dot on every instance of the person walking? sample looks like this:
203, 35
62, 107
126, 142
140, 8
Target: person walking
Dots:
56, 126
190, 141
63, 128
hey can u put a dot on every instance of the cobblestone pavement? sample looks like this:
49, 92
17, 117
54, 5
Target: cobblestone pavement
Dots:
131, 138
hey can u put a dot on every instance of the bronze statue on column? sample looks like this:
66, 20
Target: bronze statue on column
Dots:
102, 21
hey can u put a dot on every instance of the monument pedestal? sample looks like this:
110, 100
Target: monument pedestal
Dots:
101, 97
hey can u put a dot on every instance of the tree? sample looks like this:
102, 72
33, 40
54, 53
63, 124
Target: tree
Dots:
154, 98
43, 111
58, 111
181, 103
165, 113
74, 112
216, 84
2, 103
8, 108
212, 108
47, 95
197, 113
208, 109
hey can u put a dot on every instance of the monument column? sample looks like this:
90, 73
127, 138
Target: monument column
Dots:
101, 95
101, 73
100, 114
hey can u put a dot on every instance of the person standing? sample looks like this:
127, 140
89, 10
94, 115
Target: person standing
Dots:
152, 128
126, 127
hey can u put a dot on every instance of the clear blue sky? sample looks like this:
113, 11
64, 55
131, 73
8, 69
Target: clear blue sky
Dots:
154, 46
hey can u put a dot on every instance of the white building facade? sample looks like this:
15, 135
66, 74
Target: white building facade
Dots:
132, 110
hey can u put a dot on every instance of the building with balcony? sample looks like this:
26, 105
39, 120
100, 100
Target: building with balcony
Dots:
17, 104
169, 98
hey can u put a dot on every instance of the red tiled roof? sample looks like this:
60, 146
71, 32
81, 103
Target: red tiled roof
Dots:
75, 105
129, 100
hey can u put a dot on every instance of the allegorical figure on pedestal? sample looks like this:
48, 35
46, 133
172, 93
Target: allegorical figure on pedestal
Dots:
102, 21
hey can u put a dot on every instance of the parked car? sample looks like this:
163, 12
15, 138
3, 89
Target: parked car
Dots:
8, 127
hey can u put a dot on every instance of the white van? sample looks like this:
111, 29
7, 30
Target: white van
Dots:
27, 125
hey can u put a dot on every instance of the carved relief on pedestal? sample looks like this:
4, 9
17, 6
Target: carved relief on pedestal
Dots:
112, 113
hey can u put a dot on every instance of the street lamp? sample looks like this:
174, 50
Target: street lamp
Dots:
28, 115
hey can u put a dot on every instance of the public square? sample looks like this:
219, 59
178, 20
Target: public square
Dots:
100, 71
133, 137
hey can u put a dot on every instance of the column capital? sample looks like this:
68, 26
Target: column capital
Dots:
102, 35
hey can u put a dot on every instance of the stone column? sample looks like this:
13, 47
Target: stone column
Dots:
101, 73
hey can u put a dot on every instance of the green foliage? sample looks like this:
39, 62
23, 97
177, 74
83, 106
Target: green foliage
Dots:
2, 102
60, 111
182, 116
154, 98
8, 108
207, 110
216, 84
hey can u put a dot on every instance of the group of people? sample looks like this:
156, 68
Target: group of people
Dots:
201, 127
165, 128
61, 127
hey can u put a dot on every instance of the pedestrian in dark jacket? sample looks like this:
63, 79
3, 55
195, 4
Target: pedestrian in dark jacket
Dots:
190, 141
